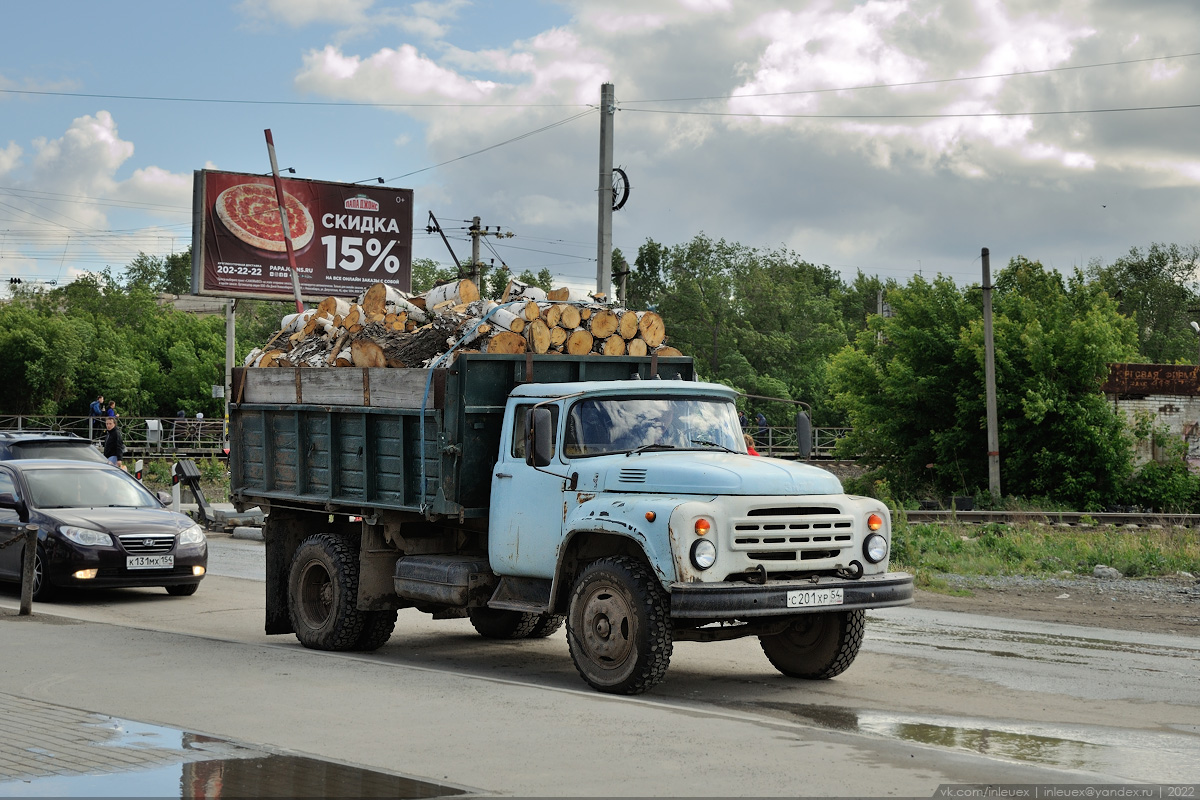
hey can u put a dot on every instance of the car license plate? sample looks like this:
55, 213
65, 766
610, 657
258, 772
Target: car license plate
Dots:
149, 562
807, 598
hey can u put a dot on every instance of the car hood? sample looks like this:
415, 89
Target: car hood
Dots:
121, 520
692, 472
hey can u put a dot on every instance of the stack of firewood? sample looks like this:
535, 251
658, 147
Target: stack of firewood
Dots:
385, 327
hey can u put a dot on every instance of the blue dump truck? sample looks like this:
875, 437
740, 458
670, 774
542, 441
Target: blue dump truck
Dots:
614, 493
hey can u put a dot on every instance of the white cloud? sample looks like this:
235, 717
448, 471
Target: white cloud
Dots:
297, 13
10, 157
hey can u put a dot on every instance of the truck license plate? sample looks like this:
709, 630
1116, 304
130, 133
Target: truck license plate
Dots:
149, 562
807, 598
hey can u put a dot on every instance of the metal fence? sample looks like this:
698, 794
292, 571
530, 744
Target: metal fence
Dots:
143, 436
781, 441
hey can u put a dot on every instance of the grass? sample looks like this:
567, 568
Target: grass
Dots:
930, 550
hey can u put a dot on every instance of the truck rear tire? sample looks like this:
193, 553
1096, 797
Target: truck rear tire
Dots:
322, 594
547, 625
817, 646
618, 626
377, 629
500, 623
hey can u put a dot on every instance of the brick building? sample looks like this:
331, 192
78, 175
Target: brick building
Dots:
1169, 393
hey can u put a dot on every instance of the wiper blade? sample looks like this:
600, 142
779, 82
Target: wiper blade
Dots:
648, 447
718, 445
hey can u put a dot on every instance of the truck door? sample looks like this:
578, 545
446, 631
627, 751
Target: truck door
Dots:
525, 521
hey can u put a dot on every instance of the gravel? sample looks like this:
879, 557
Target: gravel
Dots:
1176, 588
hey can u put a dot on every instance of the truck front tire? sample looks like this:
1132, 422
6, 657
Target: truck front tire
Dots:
618, 626
816, 646
322, 593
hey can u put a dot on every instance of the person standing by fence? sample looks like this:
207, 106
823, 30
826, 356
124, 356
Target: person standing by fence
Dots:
95, 411
114, 447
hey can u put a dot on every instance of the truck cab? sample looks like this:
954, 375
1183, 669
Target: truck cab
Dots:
634, 504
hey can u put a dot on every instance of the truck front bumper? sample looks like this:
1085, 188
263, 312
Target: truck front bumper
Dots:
736, 600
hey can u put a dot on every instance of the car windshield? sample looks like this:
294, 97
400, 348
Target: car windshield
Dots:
596, 426
74, 451
86, 488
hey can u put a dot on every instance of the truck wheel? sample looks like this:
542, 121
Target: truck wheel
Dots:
377, 629
500, 623
618, 626
816, 646
547, 625
322, 591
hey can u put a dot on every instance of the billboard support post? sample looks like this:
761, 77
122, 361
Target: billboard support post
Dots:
287, 233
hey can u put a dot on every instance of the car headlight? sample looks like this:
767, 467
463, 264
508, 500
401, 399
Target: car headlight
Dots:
704, 553
86, 536
875, 548
192, 535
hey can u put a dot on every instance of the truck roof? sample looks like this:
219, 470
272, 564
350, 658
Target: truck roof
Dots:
691, 388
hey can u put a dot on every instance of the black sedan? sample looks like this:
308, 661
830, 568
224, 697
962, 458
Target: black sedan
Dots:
97, 527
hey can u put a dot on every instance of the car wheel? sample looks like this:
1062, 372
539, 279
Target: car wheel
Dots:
183, 589
42, 588
816, 646
323, 594
618, 626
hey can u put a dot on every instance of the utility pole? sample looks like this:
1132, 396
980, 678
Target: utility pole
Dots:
475, 234
989, 369
605, 192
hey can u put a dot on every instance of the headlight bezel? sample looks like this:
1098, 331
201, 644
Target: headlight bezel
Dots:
703, 554
87, 537
875, 555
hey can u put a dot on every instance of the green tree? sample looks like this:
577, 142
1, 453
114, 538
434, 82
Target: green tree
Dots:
1158, 288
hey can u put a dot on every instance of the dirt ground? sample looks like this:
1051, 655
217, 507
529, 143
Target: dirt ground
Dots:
1161, 606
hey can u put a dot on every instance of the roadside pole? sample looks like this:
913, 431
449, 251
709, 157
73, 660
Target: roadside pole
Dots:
604, 237
989, 368
26, 609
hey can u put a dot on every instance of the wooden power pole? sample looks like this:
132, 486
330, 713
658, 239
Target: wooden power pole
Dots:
989, 369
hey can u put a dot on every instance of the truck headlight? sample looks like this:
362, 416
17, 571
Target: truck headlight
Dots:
875, 548
704, 553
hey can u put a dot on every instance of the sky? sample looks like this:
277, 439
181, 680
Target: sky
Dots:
891, 137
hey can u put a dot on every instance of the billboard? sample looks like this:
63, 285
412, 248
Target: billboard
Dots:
345, 237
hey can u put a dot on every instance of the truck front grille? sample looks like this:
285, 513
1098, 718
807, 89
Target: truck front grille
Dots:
790, 533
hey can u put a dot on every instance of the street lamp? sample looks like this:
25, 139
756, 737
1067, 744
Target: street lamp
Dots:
1196, 328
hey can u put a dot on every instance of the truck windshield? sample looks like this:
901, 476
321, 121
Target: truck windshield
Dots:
597, 426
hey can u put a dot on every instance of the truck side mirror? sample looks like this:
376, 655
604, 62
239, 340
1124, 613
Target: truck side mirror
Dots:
539, 438
804, 435
14, 503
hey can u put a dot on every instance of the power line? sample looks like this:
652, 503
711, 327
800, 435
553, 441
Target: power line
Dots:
320, 103
982, 114
920, 83
500, 144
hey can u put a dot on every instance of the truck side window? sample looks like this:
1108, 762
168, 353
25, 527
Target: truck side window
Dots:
520, 418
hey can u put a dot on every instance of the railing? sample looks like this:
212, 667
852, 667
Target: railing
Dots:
178, 436
780, 441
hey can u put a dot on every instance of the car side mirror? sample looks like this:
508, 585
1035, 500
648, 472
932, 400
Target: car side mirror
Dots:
163, 497
539, 438
14, 503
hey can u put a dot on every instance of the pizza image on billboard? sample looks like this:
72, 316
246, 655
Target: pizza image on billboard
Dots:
250, 211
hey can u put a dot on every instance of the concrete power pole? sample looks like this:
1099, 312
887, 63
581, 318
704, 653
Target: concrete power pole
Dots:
605, 192
475, 234
989, 368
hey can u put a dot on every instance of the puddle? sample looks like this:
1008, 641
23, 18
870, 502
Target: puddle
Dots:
265, 776
123, 758
1149, 756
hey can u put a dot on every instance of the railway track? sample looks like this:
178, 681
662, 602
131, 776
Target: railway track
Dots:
1064, 519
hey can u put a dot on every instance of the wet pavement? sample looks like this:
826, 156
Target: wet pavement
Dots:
52, 751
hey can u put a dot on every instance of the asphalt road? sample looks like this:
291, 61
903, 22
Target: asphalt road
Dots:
934, 698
